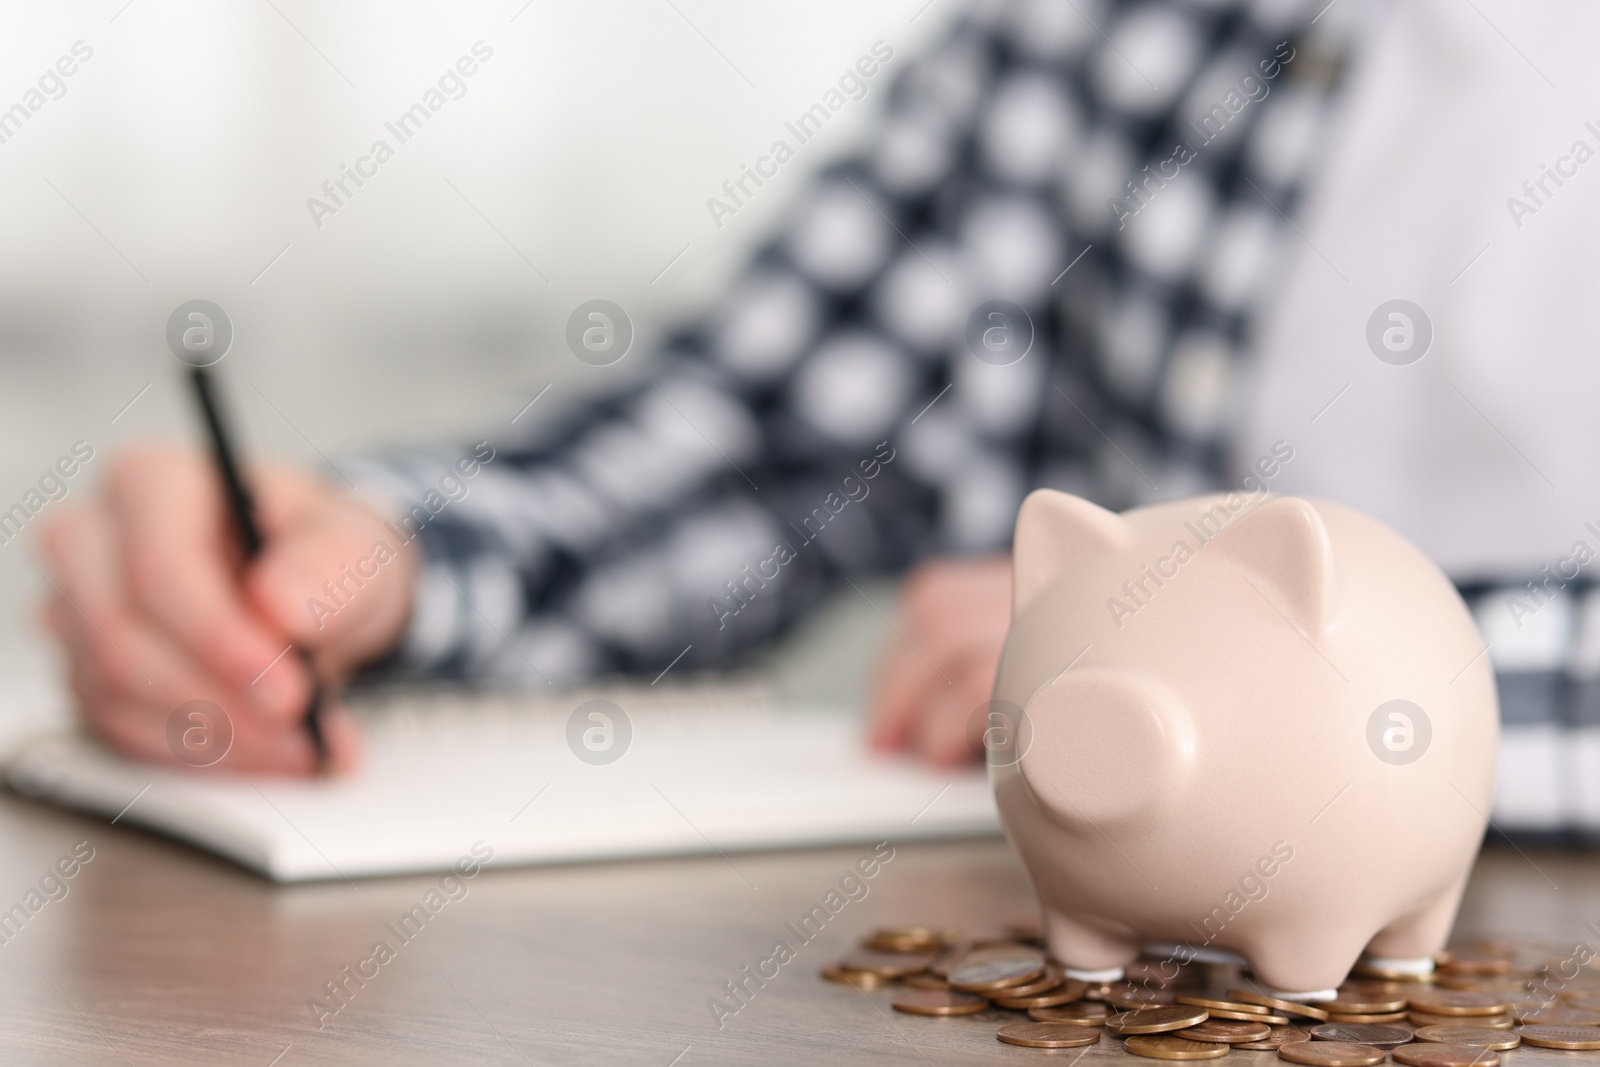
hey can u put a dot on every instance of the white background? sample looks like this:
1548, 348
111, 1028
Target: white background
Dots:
178, 163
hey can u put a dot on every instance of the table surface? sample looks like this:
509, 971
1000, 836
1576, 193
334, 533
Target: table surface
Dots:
160, 954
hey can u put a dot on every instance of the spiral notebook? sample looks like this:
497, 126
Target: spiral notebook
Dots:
704, 769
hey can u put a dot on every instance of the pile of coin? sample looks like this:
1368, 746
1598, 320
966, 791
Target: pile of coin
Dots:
1483, 999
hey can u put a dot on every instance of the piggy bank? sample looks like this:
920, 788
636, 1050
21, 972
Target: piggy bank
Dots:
1245, 726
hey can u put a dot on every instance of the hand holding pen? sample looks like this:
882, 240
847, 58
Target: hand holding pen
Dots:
158, 604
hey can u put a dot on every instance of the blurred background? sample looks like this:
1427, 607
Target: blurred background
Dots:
177, 160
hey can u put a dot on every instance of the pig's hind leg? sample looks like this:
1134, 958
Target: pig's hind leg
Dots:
1407, 945
1303, 960
1093, 950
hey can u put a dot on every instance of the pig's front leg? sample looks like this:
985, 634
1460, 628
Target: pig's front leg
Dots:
1091, 949
1407, 945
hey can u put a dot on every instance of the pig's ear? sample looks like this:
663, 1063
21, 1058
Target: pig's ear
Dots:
1284, 548
1056, 531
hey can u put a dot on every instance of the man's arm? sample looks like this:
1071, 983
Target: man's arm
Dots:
817, 421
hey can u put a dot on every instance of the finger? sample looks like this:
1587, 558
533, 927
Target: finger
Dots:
942, 735
131, 677
951, 730
52, 612
346, 745
283, 496
339, 583
87, 612
957, 612
288, 749
129, 655
253, 746
78, 547
251, 742
907, 682
179, 556
127, 705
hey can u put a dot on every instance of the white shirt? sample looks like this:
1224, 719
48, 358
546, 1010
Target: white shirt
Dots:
1486, 451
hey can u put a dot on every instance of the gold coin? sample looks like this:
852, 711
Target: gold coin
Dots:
1362, 1034
1048, 1035
1066, 993
1518, 988
1457, 1002
1474, 961
1128, 997
1331, 1054
886, 964
939, 1002
1281, 1007
1249, 1017
910, 939
1052, 977
1370, 1017
1225, 1005
1506, 985
1280, 1036
1524, 1007
1168, 1047
1156, 1020
1443, 1054
1561, 1015
860, 979
1228, 1033
1374, 989
943, 937
1426, 1018
1570, 1037
989, 970
1447, 980
1081, 1013
925, 981
1481, 1036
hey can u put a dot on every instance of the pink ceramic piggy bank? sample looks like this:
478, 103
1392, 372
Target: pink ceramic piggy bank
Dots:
1252, 726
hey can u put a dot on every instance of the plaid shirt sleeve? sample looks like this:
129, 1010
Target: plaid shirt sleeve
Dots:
832, 416
838, 412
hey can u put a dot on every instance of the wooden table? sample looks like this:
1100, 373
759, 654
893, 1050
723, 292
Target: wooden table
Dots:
159, 954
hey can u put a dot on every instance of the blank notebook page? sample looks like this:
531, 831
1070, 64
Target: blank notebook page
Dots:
708, 769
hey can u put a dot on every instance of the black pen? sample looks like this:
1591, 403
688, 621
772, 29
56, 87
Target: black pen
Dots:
242, 507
